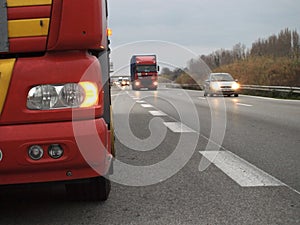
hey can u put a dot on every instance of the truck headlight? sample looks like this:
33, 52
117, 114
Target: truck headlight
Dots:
70, 95
42, 97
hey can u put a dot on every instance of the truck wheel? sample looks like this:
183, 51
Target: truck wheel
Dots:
95, 189
236, 95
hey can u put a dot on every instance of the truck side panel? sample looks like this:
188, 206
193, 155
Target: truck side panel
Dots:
28, 25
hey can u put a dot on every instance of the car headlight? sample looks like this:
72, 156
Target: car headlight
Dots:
215, 86
70, 95
235, 86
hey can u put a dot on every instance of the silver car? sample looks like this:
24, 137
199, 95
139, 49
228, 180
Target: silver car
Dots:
221, 84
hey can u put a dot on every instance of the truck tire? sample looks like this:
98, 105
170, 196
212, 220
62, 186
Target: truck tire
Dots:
95, 189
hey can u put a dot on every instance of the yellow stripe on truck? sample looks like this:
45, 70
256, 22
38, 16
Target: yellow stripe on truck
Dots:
20, 3
28, 27
6, 69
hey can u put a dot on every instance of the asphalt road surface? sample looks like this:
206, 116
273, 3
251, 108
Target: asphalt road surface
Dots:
185, 159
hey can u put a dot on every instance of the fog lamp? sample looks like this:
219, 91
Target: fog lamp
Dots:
55, 151
35, 152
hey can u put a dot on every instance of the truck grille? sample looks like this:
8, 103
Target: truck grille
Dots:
225, 86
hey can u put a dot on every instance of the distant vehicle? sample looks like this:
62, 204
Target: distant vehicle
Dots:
119, 80
143, 72
221, 84
125, 82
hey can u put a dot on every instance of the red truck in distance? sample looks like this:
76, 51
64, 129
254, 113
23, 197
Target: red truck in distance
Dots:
55, 110
144, 72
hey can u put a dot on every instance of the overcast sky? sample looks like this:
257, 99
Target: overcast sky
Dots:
199, 26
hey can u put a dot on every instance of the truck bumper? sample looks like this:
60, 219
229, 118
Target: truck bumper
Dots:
86, 146
147, 82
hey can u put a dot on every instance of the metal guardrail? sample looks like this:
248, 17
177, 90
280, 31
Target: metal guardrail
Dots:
271, 88
292, 90
259, 90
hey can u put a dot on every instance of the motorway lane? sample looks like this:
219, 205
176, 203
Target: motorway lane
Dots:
263, 131
237, 135
189, 196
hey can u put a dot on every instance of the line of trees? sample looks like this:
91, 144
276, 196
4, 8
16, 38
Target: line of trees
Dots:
271, 61
285, 44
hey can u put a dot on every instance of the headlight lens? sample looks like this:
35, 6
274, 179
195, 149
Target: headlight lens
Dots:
55, 151
215, 86
35, 152
42, 97
70, 95
235, 86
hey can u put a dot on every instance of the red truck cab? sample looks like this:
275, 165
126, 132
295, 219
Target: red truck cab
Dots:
55, 118
144, 71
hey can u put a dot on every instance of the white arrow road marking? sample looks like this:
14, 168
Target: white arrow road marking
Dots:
140, 101
178, 127
241, 171
157, 113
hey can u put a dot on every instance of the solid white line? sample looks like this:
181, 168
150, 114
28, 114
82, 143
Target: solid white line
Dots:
241, 171
178, 127
146, 105
242, 104
202, 98
157, 113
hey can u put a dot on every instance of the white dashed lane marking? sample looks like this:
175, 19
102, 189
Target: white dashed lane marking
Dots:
146, 105
242, 104
239, 170
157, 113
178, 127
